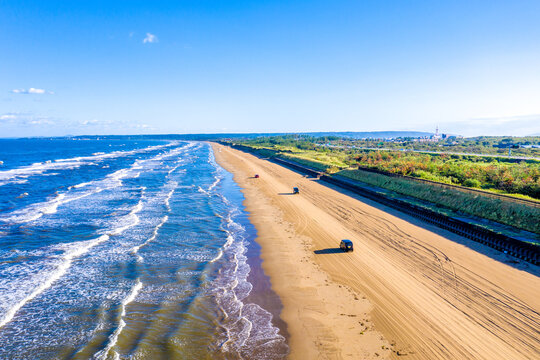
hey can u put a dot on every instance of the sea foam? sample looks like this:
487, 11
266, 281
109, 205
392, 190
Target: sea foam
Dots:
35, 211
121, 323
78, 250
21, 173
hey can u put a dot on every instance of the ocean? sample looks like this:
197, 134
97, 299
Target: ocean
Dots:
128, 249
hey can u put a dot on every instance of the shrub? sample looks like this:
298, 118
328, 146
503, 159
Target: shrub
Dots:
472, 183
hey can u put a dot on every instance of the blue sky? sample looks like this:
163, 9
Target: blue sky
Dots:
129, 67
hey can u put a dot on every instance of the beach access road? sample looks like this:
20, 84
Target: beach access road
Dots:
409, 289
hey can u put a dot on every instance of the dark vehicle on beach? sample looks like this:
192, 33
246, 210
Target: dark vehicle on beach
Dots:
256, 176
295, 190
346, 245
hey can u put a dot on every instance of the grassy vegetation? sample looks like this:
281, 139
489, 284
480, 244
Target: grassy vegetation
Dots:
498, 175
503, 175
318, 161
325, 161
313, 164
506, 212
494, 145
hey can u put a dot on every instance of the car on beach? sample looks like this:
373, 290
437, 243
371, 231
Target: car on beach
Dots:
256, 176
346, 245
295, 190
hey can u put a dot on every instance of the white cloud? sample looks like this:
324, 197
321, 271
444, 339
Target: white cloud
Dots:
36, 91
31, 91
95, 122
150, 38
111, 124
88, 122
8, 117
40, 121
26, 119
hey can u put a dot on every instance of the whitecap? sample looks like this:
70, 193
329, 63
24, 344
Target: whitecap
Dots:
23, 172
121, 324
35, 211
131, 216
79, 249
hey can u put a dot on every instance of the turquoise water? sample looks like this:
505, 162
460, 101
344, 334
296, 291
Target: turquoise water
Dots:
136, 249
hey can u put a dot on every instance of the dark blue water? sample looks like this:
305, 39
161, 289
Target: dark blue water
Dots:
125, 249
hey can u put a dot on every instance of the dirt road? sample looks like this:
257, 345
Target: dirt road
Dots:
430, 293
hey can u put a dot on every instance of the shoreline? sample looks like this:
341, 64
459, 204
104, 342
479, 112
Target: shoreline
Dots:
317, 312
261, 293
408, 289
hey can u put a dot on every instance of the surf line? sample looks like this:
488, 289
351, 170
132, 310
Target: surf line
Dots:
132, 214
68, 260
113, 180
23, 172
60, 271
114, 337
169, 195
136, 249
131, 296
37, 210
136, 288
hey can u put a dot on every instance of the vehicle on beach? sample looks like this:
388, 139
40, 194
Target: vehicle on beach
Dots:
256, 176
346, 245
295, 190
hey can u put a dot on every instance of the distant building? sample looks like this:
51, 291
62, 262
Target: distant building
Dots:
436, 136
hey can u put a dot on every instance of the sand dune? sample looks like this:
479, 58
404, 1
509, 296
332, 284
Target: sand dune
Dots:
409, 289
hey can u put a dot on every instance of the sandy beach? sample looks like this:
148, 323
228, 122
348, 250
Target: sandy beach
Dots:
409, 290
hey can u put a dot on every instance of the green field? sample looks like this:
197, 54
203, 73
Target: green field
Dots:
399, 172
520, 178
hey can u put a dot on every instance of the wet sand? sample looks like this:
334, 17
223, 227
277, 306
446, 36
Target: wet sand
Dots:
409, 289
